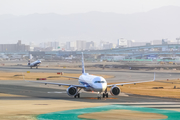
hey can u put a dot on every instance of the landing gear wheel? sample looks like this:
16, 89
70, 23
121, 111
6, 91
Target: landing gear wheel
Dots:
106, 95
78, 95
31, 67
36, 67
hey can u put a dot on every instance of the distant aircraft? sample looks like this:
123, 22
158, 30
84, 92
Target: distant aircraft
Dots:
91, 83
34, 64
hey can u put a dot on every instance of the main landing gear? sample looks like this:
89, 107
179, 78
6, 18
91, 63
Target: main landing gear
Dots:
78, 94
105, 94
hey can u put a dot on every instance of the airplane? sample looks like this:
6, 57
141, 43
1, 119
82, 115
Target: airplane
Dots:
34, 64
91, 83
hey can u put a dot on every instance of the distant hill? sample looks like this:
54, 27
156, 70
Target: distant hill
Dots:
156, 24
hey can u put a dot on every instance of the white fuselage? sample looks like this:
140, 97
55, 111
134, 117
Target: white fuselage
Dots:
36, 63
93, 83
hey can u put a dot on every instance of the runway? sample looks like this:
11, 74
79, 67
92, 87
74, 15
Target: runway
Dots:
39, 93
34, 91
55, 98
119, 75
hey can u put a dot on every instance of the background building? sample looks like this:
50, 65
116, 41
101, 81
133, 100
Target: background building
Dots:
54, 45
81, 44
156, 42
14, 47
90, 45
122, 42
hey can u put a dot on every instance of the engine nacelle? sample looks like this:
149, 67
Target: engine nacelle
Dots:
71, 91
115, 91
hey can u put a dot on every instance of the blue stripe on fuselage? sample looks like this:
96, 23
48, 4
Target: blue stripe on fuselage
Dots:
86, 84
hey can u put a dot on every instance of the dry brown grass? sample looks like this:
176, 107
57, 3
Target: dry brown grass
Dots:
10, 95
122, 115
147, 89
28, 109
34, 76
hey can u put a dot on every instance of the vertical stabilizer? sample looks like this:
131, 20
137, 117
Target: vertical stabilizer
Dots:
83, 69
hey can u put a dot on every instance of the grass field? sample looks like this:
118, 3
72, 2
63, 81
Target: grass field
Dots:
122, 115
29, 109
160, 88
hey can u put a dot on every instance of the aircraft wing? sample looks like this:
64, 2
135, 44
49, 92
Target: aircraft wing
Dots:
60, 84
70, 77
131, 82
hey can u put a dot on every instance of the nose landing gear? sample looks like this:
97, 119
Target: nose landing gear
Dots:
99, 95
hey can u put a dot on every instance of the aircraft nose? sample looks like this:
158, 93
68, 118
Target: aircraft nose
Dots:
101, 87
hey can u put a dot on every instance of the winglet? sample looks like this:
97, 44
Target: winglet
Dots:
83, 69
154, 76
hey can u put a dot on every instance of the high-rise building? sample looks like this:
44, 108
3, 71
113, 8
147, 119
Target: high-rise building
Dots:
71, 45
90, 45
122, 42
32, 45
54, 45
81, 45
107, 45
67, 45
62, 46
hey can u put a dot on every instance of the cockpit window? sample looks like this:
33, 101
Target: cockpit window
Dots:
99, 82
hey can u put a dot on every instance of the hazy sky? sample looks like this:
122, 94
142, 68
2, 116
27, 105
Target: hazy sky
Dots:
25, 7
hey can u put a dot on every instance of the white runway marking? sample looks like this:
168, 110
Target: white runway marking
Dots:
57, 92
